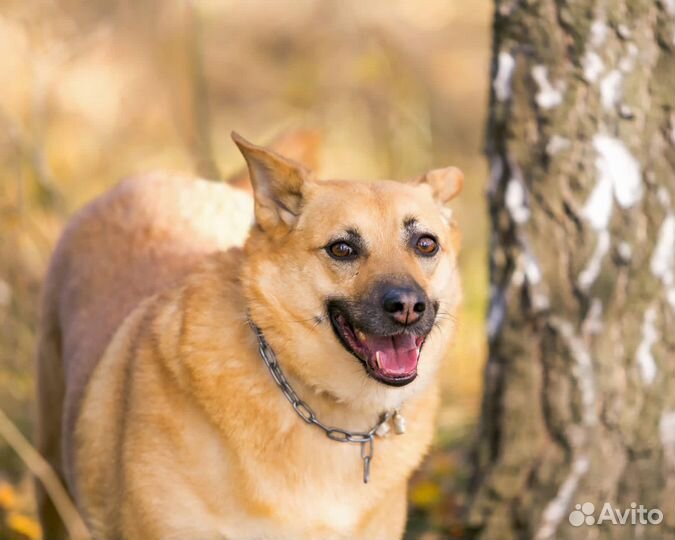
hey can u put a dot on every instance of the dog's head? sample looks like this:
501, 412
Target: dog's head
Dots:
355, 284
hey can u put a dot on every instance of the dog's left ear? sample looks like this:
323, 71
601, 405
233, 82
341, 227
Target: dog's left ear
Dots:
445, 184
277, 185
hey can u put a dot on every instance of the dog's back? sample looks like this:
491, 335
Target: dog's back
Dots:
133, 242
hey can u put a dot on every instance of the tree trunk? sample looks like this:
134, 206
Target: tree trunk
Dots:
579, 402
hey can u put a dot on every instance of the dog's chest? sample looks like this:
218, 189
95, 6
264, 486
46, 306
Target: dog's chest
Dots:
314, 490
301, 487
310, 514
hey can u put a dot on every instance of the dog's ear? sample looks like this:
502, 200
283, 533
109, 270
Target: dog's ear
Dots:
445, 184
277, 185
302, 145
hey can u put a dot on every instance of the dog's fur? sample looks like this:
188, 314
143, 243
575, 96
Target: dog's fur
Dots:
153, 401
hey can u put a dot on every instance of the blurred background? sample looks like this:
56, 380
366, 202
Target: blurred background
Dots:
92, 91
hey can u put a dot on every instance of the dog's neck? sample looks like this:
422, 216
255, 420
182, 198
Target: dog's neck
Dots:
364, 437
327, 406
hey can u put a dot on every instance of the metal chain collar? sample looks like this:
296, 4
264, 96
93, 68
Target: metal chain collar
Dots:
304, 411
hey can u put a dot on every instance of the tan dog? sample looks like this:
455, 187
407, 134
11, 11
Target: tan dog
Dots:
178, 430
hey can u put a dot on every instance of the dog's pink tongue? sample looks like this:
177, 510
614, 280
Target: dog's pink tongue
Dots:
397, 354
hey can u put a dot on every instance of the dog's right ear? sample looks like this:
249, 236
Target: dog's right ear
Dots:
277, 185
445, 184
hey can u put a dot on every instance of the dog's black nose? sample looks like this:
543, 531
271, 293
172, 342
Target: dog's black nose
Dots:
404, 305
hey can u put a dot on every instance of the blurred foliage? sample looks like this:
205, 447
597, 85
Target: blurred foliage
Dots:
15, 522
95, 90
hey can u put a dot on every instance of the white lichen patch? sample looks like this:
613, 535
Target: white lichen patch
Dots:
583, 372
623, 31
496, 171
557, 144
593, 323
616, 163
620, 178
582, 369
610, 89
625, 251
531, 268
627, 63
644, 355
662, 263
558, 507
502, 81
670, 8
598, 208
663, 196
626, 111
540, 301
592, 269
592, 65
599, 31
528, 273
496, 313
516, 201
549, 95
667, 435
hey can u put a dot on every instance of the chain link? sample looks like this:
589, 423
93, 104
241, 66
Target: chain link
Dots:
367, 455
305, 412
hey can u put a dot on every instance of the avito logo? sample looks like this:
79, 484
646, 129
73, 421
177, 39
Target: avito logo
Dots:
584, 514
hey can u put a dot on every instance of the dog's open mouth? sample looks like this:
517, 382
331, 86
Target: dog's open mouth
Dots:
389, 359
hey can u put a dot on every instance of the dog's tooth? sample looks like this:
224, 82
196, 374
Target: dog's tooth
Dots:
377, 359
360, 335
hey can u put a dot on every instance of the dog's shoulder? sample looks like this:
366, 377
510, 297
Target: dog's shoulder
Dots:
203, 313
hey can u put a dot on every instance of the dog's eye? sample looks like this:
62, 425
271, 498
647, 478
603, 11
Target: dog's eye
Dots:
341, 250
426, 245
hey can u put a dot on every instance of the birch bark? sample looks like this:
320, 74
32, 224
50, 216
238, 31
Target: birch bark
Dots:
579, 402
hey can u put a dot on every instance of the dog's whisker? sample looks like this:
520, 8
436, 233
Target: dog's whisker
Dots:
316, 319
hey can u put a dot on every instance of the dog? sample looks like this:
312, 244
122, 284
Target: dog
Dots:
213, 365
